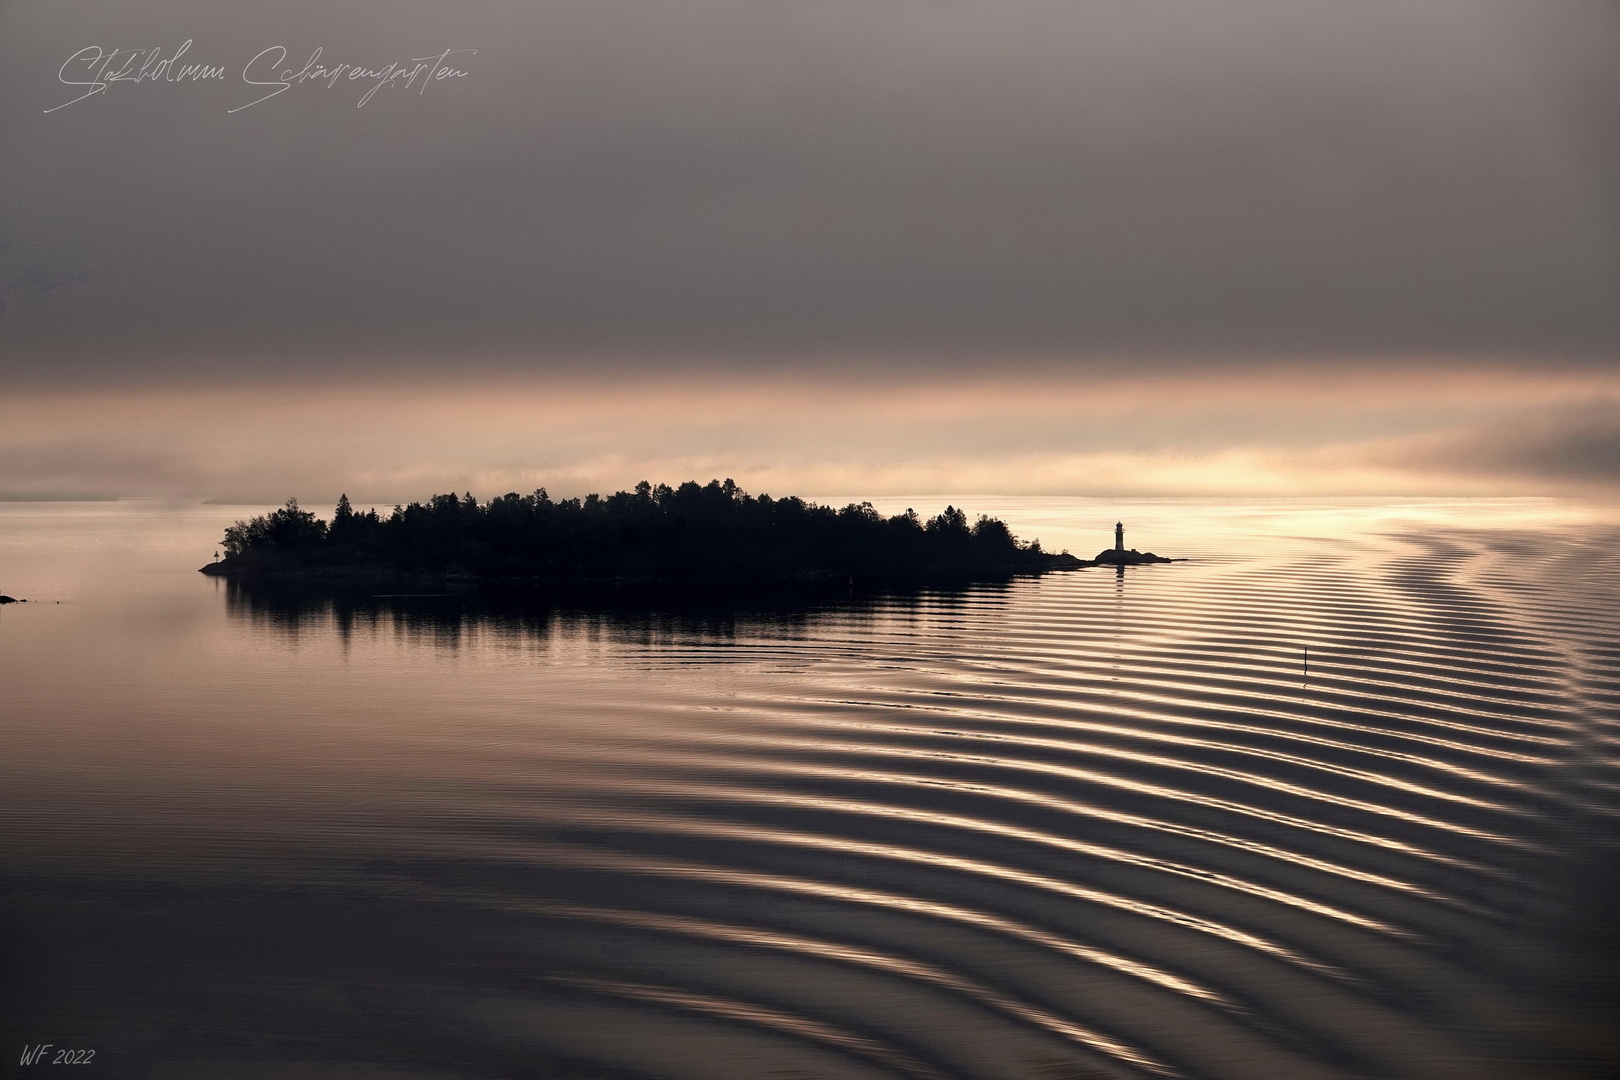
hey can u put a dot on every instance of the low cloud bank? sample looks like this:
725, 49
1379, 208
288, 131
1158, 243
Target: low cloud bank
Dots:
1565, 447
1420, 433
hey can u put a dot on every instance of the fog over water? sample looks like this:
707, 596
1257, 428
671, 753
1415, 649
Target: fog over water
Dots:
1325, 249
1090, 825
1394, 430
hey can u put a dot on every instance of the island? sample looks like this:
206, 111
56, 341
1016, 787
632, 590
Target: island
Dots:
691, 533
714, 533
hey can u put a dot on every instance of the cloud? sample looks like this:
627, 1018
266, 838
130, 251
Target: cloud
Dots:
1567, 446
37, 262
1440, 430
1262, 246
1020, 185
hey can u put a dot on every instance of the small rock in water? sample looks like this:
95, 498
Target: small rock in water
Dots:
11, 600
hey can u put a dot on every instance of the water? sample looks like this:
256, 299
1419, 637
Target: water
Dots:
1092, 825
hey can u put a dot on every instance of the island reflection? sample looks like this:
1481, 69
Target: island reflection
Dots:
625, 616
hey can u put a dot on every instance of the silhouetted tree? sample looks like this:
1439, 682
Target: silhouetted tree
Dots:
710, 530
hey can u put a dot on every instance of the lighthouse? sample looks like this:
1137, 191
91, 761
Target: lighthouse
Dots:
1121, 556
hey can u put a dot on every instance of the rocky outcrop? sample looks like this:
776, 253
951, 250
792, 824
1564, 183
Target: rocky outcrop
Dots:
1115, 557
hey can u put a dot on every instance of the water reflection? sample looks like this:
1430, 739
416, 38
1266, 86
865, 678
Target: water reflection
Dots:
629, 616
1082, 826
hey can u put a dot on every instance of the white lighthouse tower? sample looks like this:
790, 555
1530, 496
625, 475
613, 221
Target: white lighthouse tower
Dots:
1119, 536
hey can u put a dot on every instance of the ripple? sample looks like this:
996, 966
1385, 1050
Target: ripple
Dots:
1085, 825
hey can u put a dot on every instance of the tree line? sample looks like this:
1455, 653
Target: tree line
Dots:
654, 532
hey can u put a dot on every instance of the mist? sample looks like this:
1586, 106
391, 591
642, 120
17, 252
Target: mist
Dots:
1031, 246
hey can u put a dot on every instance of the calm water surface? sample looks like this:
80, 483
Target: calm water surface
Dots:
1092, 825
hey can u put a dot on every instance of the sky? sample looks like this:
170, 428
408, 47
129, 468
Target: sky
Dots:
1089, 247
